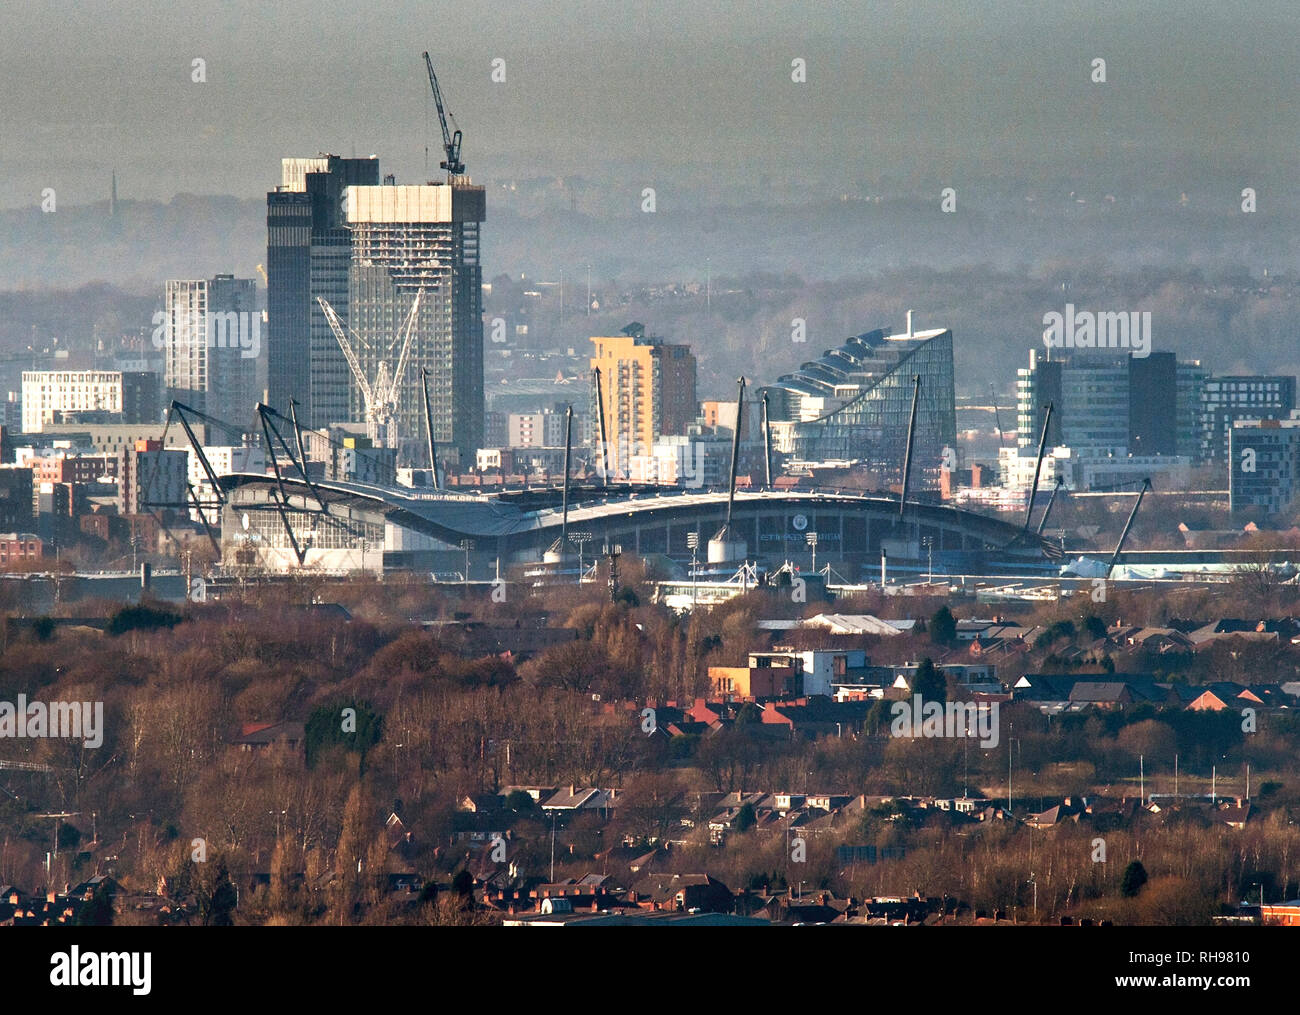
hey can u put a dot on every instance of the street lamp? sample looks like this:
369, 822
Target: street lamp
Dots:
811, 539
467, 545
580, 538
1010, 755
928, 543
693, 544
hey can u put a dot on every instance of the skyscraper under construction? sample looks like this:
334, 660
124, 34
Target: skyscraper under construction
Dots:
337, 238
404, 240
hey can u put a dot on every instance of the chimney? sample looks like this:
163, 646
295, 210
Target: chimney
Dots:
909, 324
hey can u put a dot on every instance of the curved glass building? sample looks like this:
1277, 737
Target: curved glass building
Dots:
854, 404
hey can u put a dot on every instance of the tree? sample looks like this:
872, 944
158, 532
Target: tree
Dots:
1135, 876
943, 627
652, 805
215, 895
745, 818
930, 682
69, 837
878, 716
571, 666
141, 618
355, 725
97, 911
1150, 737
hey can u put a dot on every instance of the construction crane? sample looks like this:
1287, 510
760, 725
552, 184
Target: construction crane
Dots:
997, 413
379, 395
450, 141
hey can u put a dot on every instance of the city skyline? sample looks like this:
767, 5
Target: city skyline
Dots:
707, 464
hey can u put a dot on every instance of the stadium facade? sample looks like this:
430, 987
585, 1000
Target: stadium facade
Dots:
346, 526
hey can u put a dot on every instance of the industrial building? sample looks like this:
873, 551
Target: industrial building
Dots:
109, 439
691, 460
1090, 469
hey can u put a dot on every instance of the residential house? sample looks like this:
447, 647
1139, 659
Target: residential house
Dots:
260, 736
682, 893
572, 799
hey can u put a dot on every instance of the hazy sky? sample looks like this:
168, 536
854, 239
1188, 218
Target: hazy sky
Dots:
648, 91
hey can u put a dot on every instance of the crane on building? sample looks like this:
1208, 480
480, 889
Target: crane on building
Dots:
379, 394
997, 413
450, 140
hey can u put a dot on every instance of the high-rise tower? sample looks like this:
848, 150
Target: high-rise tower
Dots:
307, 254
648, 388
211, 343
404, 239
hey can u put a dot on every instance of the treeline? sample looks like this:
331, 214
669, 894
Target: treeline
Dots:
398, 721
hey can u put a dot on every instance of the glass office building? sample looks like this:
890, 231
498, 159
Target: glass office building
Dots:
864, 390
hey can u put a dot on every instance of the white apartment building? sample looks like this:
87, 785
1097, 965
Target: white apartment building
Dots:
210, 334
58, 396
224, 460
1091, 470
